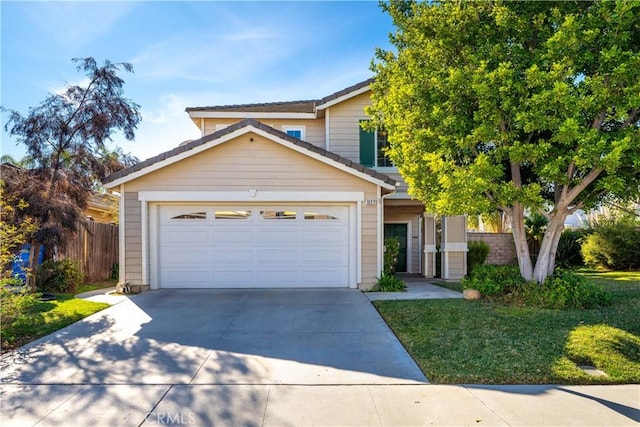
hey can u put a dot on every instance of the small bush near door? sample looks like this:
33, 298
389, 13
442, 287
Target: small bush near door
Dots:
59, 276
391, 251
388, 282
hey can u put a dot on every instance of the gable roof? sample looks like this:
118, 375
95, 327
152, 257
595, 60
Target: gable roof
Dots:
313, 107
235, 130
344, 94
307, 106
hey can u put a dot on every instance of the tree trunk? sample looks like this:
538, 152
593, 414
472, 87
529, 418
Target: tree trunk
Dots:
520, 240
546, 261
32, 269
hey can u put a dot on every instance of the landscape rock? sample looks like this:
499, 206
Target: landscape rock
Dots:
471, 294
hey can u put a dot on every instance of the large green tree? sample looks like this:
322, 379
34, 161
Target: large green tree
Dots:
513, 106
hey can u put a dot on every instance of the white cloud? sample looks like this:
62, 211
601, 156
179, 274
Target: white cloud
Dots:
166, 109
76, 23
60, 90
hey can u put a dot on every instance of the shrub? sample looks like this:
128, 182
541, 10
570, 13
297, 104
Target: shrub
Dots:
477, 255
11, 281
494, 280
566, 290
391, 251
569, 248
613, 244
115, 271
59, 276
535, 226
389, 283
14, 305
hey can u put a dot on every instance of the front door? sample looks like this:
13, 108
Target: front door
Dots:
399, 231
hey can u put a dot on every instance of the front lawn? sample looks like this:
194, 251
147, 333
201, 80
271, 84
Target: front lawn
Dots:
43, 318
462, 342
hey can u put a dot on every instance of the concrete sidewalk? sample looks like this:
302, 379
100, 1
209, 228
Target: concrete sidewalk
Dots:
417, 288
288, 405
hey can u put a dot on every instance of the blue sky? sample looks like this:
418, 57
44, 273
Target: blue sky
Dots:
188, 54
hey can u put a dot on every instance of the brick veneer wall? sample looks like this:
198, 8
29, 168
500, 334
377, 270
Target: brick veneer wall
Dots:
502, 249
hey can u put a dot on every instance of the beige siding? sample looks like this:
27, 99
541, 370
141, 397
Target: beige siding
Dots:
344, 122
132, 239
263, 164
314, 128
456, 229
457, 265
454, 239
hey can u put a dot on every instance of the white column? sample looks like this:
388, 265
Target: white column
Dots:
429, 251
454, 247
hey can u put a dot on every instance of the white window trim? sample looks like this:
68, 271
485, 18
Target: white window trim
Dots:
382, 169
301, 128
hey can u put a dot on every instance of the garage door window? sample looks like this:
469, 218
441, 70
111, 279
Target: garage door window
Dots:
232, 214
278, 214
192, 215
318, 215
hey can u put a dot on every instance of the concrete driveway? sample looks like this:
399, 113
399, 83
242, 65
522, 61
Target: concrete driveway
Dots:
207, 337
264, 358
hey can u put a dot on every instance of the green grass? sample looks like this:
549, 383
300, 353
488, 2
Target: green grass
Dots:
46, 317
454, 286
458, 341
101, 284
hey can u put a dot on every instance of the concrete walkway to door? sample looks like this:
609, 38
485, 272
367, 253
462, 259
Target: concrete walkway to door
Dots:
264, 358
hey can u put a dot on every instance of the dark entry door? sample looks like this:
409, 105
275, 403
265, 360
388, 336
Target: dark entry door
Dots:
399, 231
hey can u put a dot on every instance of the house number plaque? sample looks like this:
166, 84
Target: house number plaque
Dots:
371, 202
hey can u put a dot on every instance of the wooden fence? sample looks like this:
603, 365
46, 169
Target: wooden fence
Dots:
95, 247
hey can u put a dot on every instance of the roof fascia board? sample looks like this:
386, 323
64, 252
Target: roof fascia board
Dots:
324, 159
248, 196
343, 98
248, 115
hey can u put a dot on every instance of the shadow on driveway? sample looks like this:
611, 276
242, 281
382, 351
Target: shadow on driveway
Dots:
319, 336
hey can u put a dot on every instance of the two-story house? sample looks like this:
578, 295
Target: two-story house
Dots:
283, 194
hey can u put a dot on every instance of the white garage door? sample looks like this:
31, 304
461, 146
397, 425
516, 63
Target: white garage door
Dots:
253, 246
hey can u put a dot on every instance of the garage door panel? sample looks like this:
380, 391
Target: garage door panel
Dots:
280, 277
233, 235
231, 277
335, 235
335, 256
324, 278
242, 257
186, 256
177, 235
270, 236
198, 249
186, 278
278, 257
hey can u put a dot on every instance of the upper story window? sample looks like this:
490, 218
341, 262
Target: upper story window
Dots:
295, 131
373, 148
